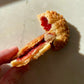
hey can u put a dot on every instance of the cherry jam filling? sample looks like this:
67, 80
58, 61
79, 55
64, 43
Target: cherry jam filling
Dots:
32, 48
45, 24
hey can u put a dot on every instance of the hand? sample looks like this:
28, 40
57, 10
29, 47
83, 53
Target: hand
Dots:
7, 54
13, 75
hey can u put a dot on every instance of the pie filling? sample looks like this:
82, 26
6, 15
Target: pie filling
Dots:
45, 24
31, 50
28, 52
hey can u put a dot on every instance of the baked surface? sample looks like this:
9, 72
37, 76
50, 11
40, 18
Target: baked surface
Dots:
59, 28
57, 36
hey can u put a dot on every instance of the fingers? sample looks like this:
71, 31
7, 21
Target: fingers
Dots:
13, 75
7, 54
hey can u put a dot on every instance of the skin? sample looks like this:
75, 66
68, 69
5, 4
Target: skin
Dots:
7, 54
12, 75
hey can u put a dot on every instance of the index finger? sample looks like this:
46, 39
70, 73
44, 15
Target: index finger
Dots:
7, 54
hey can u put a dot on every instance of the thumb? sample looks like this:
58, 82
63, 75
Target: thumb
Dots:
7, 54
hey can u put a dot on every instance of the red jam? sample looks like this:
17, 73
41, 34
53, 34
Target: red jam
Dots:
45, 24
29, 53
30, 50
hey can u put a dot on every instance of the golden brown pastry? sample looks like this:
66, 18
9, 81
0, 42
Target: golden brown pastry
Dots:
58, 27
56, 35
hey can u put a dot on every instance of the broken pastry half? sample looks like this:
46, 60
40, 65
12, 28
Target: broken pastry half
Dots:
56, 35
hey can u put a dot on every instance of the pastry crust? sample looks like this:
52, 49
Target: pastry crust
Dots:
30, 45
30, 52
57, 36
59, 28
52, 16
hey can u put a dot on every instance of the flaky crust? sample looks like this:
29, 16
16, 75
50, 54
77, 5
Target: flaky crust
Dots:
59, 27
23, 59
29, 45
56, 37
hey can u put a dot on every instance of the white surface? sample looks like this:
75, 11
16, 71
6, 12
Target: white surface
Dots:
19, 25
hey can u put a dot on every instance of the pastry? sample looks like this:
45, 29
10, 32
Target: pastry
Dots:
56, 35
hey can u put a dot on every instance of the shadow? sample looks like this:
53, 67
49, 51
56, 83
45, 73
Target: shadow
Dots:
61, 67
3, 69
6, 2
